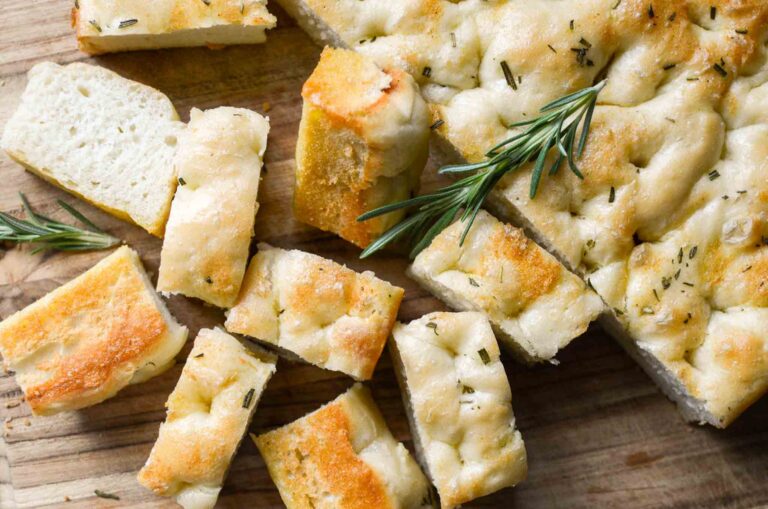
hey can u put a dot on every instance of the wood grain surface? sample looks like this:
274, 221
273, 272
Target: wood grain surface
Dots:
598, 432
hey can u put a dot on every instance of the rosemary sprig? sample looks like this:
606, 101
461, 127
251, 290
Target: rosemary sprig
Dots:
50, 234
556, 127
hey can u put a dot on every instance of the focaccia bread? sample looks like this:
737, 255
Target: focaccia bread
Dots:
343, 456
92, 336
535, 304
363, 142
459, 405
102, 137
208, 414
316, 309
209, 230
672, 163
103, 26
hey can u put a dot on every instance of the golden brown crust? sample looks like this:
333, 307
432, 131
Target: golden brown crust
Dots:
84, 341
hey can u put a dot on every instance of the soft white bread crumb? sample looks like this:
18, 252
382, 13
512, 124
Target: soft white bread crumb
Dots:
120, 25
208, 414
89, 338
209, 231
459, 405
102, 137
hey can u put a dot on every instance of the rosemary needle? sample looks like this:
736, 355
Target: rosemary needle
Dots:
556, 127
51, 234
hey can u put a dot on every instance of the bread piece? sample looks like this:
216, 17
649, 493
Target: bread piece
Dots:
459, 405
92, 336
677, 136
103, 138
314, 308
104, 26
535, 304
343, 456
363, 142
208, 415
209, 230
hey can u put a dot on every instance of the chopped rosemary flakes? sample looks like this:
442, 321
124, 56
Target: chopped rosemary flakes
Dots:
466, 389
127, 23
671, 120
742, 31
200, 355
656, 294
433, 326
694, 78
207, 2
437, 124
669, 66
719, 68
242, 7
104, 494
741, 191
677, 274
612, 195
618, 311
570, 24
680, 256
581, 56
426, 72
693, 252
590, 243
666, 282
712, 12
453, 39
585, 43
95, 25
551, 48
248, 399
687, 318
651, 14
474, 283
748, 267
483, 353
686, 283
182, 182
616, 5
672, 17
725, 197
508, 75
713, 174
209, 280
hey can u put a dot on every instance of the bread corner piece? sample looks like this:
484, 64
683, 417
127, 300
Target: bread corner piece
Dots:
102, 137
343, 456
534, 303
459, 405
104, 26
208, 414
208, 235
89, 338
363, 143
316, 309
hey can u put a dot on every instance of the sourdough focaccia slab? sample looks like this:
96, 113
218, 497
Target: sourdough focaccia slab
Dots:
102, 137
208, 414
103, 26
316, 309
343, 456
674, 162
459, 405
535, 304
363, 142
209, 230
89, 338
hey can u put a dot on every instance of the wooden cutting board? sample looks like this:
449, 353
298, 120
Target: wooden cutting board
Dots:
598, 432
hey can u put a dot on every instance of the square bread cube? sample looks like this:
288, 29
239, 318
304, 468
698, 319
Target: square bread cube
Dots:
316, 309
363, 143
89, 338
208, 414
121, 25
209, 230
102, 137
343, 456
534, 303
459, 405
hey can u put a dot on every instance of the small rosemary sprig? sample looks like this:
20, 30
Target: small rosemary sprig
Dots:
557, 128
50, 234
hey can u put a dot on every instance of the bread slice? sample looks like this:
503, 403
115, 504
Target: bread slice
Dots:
343, 456
316, 309
535, 304
89, 338
208, 414
104, 26
209, 230
363, 143
103, 138
674, 160
459, 405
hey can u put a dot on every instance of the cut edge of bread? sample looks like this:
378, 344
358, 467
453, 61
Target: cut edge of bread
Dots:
315, 27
